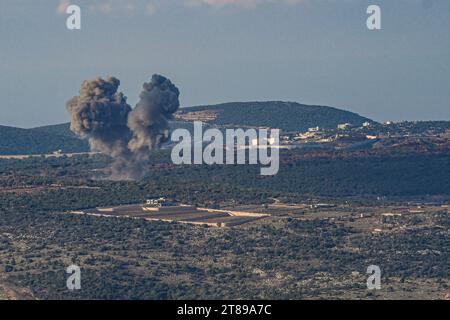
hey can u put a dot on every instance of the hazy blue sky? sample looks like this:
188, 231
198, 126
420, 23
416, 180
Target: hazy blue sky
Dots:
310, 51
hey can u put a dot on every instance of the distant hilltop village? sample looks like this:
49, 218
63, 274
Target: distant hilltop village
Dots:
344, 135
320, 128
347, 136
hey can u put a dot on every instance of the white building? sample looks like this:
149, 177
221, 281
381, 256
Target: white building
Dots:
156, 202
268, 141
344, 126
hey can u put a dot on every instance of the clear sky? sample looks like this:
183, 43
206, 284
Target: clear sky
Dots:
310, 51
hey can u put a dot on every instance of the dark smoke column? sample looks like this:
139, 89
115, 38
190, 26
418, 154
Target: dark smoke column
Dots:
149, 119
100, 114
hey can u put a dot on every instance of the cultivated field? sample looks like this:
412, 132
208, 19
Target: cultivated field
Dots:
182, 214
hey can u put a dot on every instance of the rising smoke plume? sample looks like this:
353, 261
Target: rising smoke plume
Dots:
101, 114
149, 120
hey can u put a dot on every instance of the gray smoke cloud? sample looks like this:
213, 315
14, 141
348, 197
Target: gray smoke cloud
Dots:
101, 114
149, 119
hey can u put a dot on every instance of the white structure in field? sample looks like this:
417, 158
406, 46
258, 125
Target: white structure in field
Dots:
344, 126
268, 141
156, 202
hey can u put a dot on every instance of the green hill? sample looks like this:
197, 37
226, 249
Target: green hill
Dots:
39, 140
47, 139
57, 129
288, 116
